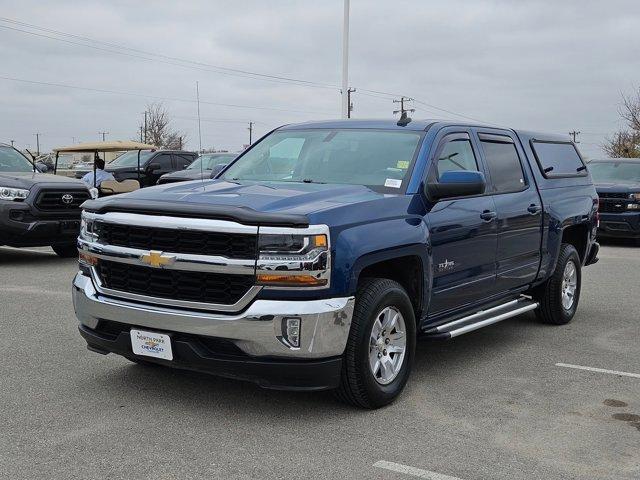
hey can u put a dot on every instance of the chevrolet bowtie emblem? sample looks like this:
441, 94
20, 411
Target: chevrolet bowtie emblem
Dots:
157, 259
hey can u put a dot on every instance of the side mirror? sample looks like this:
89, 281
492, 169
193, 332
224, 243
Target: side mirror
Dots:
458, 183
154, 167
215, 171
41, 167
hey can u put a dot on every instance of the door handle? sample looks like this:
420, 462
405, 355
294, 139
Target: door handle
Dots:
488, 215
534, 209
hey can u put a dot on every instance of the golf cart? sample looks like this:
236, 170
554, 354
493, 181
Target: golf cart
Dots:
107, 187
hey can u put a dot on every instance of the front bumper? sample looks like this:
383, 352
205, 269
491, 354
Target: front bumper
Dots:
20, 227
620, 225
263, 356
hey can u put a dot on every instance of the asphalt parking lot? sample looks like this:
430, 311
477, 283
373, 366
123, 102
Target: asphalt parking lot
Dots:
492, 404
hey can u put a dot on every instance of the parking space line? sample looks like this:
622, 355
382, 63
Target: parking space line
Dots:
413, 471
599, 370
45, 252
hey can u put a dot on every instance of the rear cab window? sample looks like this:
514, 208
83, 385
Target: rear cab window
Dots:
503, 162
558, 159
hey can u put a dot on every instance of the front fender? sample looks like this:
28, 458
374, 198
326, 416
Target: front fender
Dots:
360, 246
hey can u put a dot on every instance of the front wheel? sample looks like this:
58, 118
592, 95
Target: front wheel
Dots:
65, 251
559, 295
381, 345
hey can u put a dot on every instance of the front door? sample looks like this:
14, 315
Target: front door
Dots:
463, 232
519, 210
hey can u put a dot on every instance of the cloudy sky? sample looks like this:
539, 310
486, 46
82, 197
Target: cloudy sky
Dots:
72, 69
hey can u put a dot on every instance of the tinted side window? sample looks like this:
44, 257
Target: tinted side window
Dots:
504, 165
456, 155
558, 158
183, 161
163, 160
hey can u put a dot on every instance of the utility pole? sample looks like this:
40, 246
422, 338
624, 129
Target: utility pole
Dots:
199, 129
145, 127
402, 110
12, 142
349, 102
250, 132
73, 140
140, 133
573, 135
37, 144
345, 61
103, 135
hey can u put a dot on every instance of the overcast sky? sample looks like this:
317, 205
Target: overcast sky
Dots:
545, 65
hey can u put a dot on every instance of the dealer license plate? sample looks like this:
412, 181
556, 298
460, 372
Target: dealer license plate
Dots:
151, 344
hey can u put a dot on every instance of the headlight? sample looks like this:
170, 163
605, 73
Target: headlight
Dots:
635, 196
86, 229
8, 193
294, 260
94, 193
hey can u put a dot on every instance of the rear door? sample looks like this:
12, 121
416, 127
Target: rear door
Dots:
182, 160
463, 231
519, 209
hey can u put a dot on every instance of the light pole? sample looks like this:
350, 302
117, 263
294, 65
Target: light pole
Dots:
345, 61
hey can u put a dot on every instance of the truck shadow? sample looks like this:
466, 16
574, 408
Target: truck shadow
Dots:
619, 242
19, 257
211, 396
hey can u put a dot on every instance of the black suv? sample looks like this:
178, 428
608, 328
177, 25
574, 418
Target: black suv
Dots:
617, 182
37, 209
204, 167
153, 164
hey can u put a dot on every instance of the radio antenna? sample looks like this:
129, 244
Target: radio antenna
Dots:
199, 134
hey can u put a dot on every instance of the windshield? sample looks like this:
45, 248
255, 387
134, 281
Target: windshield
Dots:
13, 161
130, 159
210, 161
615, 172
375, 158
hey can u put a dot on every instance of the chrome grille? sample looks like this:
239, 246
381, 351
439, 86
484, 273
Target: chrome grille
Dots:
229, 245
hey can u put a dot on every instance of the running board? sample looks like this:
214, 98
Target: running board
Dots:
481, 319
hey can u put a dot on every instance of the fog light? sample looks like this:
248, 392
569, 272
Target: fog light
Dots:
633, 206
291, 331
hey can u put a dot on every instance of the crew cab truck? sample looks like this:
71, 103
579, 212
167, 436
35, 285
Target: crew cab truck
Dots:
321, 254
38, 209
617, 181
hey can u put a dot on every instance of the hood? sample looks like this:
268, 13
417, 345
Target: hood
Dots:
633, 187
29, 179
192, 174
247, 202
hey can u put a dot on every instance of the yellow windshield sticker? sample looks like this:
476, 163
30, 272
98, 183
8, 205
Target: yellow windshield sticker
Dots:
404, 164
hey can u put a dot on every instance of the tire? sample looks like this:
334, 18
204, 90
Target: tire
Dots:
65, 251
552, 310
359, 385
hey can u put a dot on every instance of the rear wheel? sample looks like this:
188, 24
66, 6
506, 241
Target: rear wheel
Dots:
65, 251
560, 294
381, 345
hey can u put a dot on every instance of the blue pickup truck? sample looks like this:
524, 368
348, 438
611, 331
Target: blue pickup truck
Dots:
321, 254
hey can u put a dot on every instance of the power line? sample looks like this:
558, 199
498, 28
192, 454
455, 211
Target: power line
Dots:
173, 99
144, 55
171, 60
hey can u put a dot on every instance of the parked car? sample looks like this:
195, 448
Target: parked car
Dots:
201, 168
153, 164
38, 209
323, 251
617, 181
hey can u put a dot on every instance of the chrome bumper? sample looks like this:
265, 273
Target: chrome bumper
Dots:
257, 331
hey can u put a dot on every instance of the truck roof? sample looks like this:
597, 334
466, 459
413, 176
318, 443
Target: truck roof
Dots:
418, 125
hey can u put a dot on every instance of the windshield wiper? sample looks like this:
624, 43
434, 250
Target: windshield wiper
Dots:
310, 180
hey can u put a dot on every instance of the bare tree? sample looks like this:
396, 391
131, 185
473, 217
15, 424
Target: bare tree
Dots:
626, 143
158, 128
